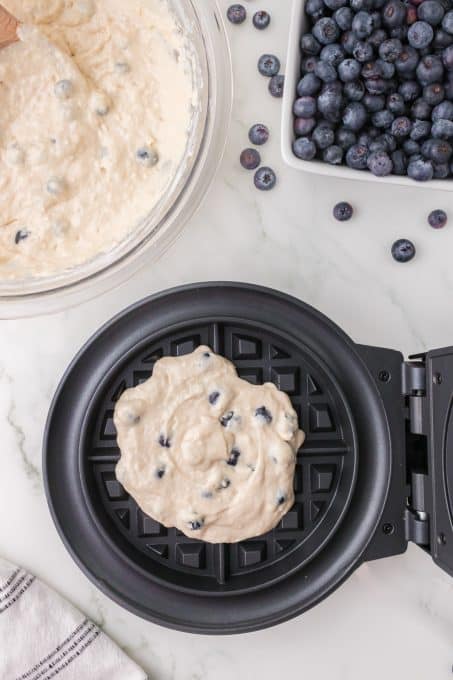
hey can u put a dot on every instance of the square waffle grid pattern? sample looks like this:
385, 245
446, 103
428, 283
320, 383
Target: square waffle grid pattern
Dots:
320, 469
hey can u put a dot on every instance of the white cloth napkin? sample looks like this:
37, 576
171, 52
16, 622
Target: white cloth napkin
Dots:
42, 636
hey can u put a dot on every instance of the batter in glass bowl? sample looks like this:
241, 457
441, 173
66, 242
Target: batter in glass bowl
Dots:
97, 101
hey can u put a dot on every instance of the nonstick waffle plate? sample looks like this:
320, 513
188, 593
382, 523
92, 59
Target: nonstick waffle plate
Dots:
103, 526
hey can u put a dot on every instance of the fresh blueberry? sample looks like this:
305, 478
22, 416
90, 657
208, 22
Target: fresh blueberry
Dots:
64, 89
332, 54
420, 130
237, 14
213, 398
447, 58
304, 148
437, 219
308, 64
420, 35
399, 162
442, 39
343, 211
390, 50
433, 94
262, 413
335, 4
354, 116
394, 13
362, 25
421, 109
441, 170
377, 37
380, 163
444, 110
387, 142
303, 126
447, 22
147, 156
345, 138
276, 86
265, 179
374, 102
261, 20
401, 127
354, 91
315, 9
309, 45
349, 70
343, 18
268, 65
407, 61
420, 170
356, 157
409, 90
304, 107
21, 235
411, 147
403, 250
333, 155
359, 5
396, 104
442, 129
226, 418
259, 134
348, 41
309, 85
323, 136
250, 159
330, 101
363, 51
326, 31
325, 72
383, 119
377, 85
234, 457
430, 70
164, 441
437, 150
431, 11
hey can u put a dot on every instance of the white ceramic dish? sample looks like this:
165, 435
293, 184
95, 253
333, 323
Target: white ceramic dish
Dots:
299, 25
212, 71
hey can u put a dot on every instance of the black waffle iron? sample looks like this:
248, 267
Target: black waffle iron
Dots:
373, 474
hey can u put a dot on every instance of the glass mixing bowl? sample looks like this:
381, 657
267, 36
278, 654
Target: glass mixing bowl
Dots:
202, 23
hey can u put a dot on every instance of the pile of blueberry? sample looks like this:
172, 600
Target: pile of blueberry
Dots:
376, 90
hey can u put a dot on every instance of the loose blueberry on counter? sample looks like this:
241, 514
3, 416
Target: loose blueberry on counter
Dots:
147, 156
261, 20
263, 414
213, 398
64, 89
237, 14
250, 159
21, 235
437, 219
259, 134
268, 65
403, 250
164, 441
265, 179
234, 457
277, 86
343, 211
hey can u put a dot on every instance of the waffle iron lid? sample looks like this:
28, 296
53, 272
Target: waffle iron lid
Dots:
350, 482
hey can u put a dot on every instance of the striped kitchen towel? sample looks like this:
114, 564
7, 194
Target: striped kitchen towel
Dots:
42, 636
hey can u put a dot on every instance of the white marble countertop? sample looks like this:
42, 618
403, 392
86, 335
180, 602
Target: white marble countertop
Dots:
392, 618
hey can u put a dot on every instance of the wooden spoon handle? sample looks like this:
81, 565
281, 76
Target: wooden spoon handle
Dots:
8, 28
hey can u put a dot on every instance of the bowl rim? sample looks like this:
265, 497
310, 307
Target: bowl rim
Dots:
297, 23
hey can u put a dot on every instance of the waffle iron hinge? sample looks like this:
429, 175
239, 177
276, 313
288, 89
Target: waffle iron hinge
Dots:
416, 518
